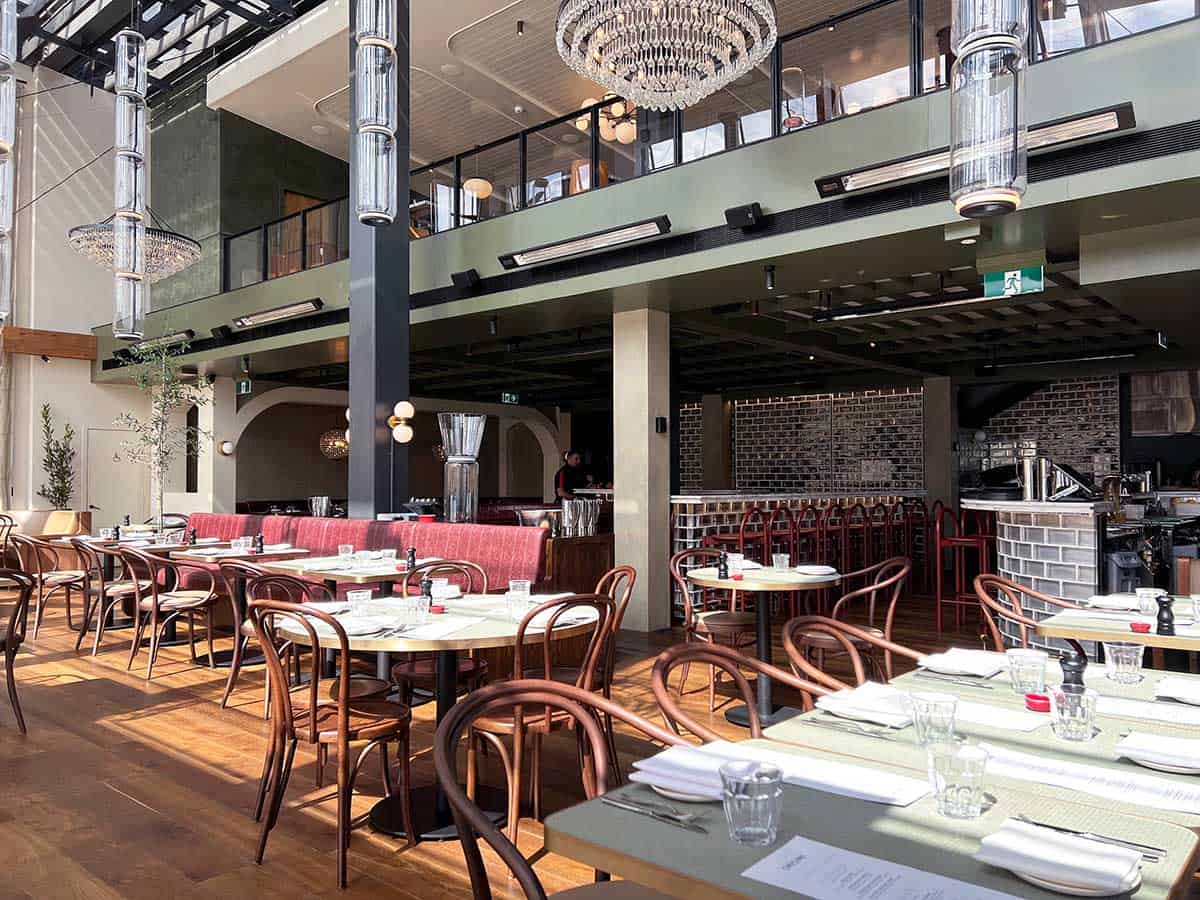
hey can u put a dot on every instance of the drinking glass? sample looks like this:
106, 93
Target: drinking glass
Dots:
933, 716
363, 559
1196, 607
421, 606
781, 560
1073, 713
441, 588
1123, 661
1148, 600
239, 545
753, 797
345, 553
735, 561
358, 601
106, 534
516, 605
956, 773
388, 555
1027, 670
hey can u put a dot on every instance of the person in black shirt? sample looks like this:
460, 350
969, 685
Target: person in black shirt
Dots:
570, 477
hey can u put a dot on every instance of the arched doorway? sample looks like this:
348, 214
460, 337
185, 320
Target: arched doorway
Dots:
524, 462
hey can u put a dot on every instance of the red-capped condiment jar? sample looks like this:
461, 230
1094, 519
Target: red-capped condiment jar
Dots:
1037, 703
1140, 627
437, 610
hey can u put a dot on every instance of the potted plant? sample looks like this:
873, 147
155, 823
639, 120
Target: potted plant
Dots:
58, 461
159, 438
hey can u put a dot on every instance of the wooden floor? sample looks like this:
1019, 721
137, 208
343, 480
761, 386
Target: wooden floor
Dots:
129, 788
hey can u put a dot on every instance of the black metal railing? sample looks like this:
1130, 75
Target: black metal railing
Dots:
303, 240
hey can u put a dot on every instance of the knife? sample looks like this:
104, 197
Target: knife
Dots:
660, 816
1149, 853
952, 679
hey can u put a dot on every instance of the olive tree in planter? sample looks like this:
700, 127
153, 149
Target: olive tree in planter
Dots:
58, 461
158, 439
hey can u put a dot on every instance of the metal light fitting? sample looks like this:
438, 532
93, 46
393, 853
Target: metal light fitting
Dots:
399, 422
588, 243
278, 313
166, 340
870, 310
1047, 135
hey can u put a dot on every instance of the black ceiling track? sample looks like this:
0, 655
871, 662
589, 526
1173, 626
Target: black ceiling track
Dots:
1127, 148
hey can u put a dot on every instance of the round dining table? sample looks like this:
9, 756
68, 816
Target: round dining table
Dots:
471, 622
766, 579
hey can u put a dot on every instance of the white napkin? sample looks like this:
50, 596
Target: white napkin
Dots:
817, 571
1185, 689
275, 548
577, 616
749, 565
135, 543
696, 770
444, 626
1114, 601
1156, 748
869, 702
959, 661
446, 591
208, 540
1069, 860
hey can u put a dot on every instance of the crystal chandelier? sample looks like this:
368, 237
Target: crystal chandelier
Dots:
665, 54
8, 138
166, 252
128, 223
988, 154
376, 88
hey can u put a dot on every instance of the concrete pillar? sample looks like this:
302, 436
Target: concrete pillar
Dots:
716, 439
941, 436
502, 424
564, 433
641, 461
219, 419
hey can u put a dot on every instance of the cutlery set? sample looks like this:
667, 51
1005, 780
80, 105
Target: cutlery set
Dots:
1149, 853
659, 812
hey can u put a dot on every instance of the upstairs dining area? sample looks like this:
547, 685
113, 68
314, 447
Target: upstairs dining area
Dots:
600, 449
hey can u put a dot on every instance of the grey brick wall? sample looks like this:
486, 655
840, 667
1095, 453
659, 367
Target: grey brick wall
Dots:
689, 447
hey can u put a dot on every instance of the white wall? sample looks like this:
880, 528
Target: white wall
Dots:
54, 288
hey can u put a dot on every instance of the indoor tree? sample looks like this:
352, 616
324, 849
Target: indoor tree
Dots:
58, 461
158, 439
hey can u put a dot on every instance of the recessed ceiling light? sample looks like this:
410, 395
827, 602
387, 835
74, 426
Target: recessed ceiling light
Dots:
872, 343
320, 129
1108, 217
967, 242
451, 69
811, 357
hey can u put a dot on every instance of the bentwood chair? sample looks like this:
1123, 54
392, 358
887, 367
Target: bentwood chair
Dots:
1006, 602
419, 672
40, 561
7, 525
305, 713
733, 664
883, 583
12, 633
709, 620
859, 645
162, 602
516, 700
235, 575
100, 596
543, 618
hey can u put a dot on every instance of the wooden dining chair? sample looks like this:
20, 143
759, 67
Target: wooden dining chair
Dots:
1006, 601
882, 583
12, 632
100, 596
860, 645
709, 620
306, 713
494, 729
40, 561
156, 607
7, 525
419, 671
234, 572
733, 664
516, 700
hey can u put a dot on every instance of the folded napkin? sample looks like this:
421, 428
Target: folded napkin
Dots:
275, 548
446, 591
816, 570
1159, 749
1114, 601
135, 543
1063, 858
958, 661
696, 770
208, 540
577, 616
442, 626
869, 702
1184, 689
749, 565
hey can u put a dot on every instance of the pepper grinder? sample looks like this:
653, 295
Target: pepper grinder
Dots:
723, 566
1073, 665
412, 558
258, 543
126, 523
427, 588
116, 531
1166, 616
192, 538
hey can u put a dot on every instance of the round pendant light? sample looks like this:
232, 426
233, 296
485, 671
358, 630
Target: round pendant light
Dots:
334, 444
478, 187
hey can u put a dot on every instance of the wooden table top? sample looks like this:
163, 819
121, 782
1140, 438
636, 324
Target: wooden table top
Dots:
483, 619
1101, 625
318, 567
197, 555
765, 579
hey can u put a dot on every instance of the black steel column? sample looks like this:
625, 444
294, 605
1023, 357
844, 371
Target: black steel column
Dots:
379, 293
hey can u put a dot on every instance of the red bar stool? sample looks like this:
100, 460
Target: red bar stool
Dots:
950, 533
753, 542
832, 537
856, 525
781, 528
882, 535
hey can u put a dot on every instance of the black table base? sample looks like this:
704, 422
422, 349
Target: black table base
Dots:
740, 715
432, 818
223, 659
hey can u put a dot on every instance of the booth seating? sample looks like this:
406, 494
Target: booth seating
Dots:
505, 552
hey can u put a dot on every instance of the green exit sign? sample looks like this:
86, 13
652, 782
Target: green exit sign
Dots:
508, 397
244, 387
1012, 282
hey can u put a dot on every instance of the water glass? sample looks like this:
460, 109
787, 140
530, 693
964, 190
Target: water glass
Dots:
956, 775
1148, 600
753, 797
421, 609
388, 555
1027, 670
1123, 661
1073, 713
933, 716
440, 588
345, 553
358, 601
520, 586
106, 534
516, 605
363, 559
781, 560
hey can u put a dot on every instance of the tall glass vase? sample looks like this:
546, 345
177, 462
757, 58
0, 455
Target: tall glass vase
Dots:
462, 434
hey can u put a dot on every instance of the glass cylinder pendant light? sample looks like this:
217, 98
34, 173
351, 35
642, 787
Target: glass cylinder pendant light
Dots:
988, 155
129, 188
8, 137
376, 86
